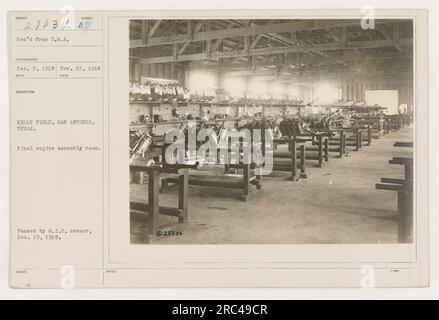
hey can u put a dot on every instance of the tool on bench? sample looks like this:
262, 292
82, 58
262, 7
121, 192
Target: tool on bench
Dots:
404, 188
151, 208
226, 180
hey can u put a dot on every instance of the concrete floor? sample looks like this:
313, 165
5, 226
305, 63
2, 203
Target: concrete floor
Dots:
335, 204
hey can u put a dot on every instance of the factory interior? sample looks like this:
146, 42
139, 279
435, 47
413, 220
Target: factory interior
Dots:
336, 97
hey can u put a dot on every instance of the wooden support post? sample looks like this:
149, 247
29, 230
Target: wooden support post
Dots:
408, 172
164, 163
228, 156
258, 173
404, 187
183, 185
357, 139
405, 216
341, 150
344, 143
153, 200
145, 31
246, 182
360, 143
302, 158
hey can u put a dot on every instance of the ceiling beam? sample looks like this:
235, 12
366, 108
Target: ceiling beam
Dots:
154, 29
226, 67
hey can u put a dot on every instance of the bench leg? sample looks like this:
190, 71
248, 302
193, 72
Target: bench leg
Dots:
153, 201
293, 150
341, 150
369, 136
326, 154
357, 140
246, 182
165, 185
258, 173
183, 196
228, 157
320, 141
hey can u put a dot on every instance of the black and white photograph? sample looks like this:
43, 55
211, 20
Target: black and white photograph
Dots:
322, 112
